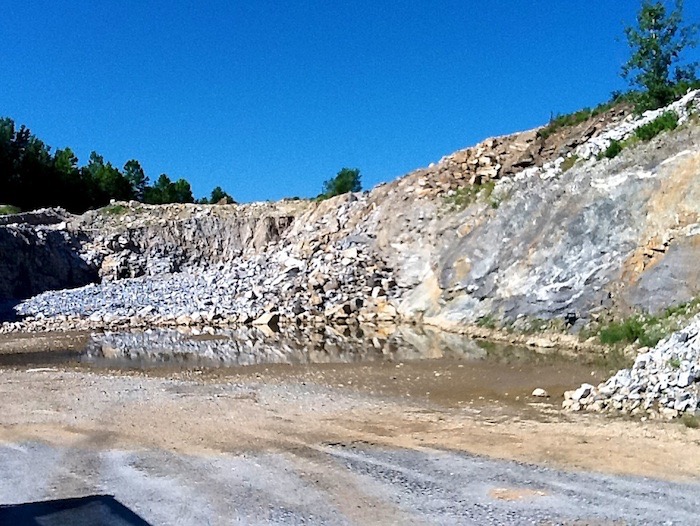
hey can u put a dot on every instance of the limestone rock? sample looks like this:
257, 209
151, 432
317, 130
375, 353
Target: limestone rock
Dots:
269, 319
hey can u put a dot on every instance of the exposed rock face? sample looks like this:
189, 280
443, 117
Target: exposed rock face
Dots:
506, 231
35, 259
549, 243
303, 276
45, 216
150, 241
564, 246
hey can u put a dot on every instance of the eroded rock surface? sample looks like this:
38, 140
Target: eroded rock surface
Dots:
517, 229
34, 259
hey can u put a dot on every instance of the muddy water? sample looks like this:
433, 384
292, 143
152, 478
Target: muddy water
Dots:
446, 369
503, 376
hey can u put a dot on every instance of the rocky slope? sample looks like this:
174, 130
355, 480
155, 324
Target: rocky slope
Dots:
661, 382
514, 231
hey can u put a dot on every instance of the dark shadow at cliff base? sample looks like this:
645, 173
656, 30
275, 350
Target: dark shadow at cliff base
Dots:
34, 261
7, 312
95, 510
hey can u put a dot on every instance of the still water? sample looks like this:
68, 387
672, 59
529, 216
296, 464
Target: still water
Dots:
406, 361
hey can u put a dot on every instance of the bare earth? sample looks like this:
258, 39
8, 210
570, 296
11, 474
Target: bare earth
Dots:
327, 422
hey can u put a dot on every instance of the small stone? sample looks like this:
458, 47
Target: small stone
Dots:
582, 392
540, 393
685, 379
184, 320
331, 285
596, 406
269, 319
668, 413
350, 253
145, 311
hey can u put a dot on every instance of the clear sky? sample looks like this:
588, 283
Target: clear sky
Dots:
269, 98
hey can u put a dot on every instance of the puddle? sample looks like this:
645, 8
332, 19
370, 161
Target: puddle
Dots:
249, 346
445, 368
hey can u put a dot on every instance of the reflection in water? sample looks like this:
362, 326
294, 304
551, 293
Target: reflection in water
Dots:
253, 346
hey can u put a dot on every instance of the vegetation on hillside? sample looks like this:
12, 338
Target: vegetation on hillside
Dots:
665, 122
560, 121
8, 209
647, 330
346, 180
656, 65
466, 195
656, 69
31, 177
569, 163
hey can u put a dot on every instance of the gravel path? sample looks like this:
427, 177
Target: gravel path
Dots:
340, 484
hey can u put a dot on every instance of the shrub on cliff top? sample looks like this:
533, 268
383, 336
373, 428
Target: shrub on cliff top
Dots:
613, 150
8, 209
666, 121
346, 180
559, 121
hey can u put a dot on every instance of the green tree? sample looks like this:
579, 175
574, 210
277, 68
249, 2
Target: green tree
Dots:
136, 177
657, 44
165, 191
347, 180
70, 188
32, 177
110, 182
7, 135
218, 195
159, 193
182, 192
65, 161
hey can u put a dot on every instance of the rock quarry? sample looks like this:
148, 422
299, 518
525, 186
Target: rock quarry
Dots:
521, 231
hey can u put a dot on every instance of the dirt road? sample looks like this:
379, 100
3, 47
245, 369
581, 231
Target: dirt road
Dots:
332, 445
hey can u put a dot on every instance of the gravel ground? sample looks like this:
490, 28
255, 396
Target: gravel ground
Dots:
340, 484
356, 443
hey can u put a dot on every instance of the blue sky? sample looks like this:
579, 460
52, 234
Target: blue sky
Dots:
270, 98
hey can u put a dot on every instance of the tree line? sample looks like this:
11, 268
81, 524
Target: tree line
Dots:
31, 177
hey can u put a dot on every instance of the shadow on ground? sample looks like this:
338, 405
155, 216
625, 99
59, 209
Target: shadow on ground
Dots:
95, 510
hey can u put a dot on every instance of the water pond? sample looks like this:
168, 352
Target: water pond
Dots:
407, 361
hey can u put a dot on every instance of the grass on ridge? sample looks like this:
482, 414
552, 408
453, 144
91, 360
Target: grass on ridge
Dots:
667, 121
647, 330
8, 209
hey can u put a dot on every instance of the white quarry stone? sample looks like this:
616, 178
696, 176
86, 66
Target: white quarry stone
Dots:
582, 392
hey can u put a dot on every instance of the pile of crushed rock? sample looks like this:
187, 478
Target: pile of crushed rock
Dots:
663, 382
345, 283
